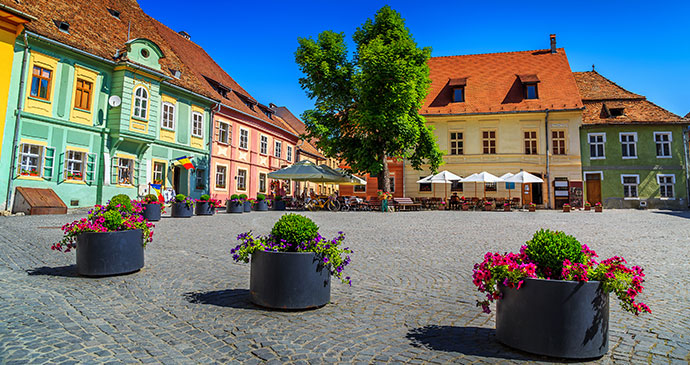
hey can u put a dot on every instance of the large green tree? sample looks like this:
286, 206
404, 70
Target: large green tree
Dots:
366, 107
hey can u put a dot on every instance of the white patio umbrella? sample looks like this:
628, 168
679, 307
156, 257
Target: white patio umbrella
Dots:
443, 177
483, 177
524, 177
504, 177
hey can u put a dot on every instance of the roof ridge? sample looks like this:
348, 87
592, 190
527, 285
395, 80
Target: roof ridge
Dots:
499, 53
612, 83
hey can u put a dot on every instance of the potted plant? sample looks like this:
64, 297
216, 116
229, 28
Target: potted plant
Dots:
261, 203
553, 297
205, 205
506, 207
588, 206
532, 207
246, 204
152, 208
465, 205
234, 204
488, 206
598, 208
566, 208
278, 202
291, 268
74, 176
110, 240
182, 207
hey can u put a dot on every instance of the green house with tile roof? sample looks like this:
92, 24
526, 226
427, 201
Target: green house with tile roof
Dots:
101, 105
634, 153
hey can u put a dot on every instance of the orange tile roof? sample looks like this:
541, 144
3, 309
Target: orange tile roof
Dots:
298, 126
599, 94
493, 84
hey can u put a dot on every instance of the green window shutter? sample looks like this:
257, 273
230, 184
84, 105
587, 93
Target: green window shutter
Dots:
17, 160
48, 162
62, 165
136, 172
90, 168
113, 171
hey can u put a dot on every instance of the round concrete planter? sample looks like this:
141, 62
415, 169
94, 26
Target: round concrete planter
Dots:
204, 208
565, 319
152, 212
110, 253
261, 206
279, 205
181, 210
247, 207
598, 209
234, 207
289, 280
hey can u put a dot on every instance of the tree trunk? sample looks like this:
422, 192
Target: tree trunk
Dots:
384, 180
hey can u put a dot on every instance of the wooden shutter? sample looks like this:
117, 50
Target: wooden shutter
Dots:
48, 162
90, 168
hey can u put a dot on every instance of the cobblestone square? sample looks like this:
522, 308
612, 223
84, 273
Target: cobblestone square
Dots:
412, 298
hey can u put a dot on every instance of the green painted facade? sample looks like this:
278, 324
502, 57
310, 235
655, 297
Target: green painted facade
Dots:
648, 169
105, 135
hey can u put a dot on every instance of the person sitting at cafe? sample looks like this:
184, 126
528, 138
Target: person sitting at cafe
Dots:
454, 201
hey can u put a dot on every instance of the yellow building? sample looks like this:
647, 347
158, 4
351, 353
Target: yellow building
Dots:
505, 112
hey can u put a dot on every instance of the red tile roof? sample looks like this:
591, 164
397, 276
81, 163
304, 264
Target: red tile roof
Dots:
298, 126
493, 84
599, 94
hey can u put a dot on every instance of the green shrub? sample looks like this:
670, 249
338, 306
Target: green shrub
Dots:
234, 197
548, 249
113, 220
180, 198
279, 198
243, 196
260, 197
121, 199
205, 197
294, 229
150, 198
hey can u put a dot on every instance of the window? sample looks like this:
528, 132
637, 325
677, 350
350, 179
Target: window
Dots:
223, 132
666, 183
616, 112
168, 116
360, 188
628, 145
262, 182
40, 83
263, 148
200, 179
242, 180
141, 101
489, 142
289, 154
221, 176
244, 138
530, 142
125, 171
663, 144
490, 186
30, 156
158, 172
82, 97
197, 125
531, 91
74, 165
455, 186
277, 151
392, 182
456, 143
459, 94
596, 145
558, 142
630, 183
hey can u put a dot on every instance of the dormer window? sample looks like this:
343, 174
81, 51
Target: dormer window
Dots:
529, 82
616, 112
458, 87
531, 91
62, 26
114, 13
268, 113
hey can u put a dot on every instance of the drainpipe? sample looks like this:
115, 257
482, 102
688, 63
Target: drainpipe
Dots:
101, 170
210, 143
686, 137
17, 123
548, 167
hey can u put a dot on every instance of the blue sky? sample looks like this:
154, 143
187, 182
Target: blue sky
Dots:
642, 46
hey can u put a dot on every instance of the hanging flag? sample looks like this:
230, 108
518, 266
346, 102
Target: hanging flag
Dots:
186, 162
158, 188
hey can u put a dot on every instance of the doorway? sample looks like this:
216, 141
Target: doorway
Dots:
176, 179
537, 190
593, 187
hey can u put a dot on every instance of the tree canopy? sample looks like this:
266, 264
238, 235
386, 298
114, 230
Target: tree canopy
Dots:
366, 107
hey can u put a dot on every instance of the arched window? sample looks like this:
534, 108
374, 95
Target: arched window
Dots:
141, 102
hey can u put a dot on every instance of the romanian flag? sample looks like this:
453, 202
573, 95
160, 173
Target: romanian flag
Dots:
158, 189
186, 162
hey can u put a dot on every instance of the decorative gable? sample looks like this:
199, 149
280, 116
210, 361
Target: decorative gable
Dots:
144, 52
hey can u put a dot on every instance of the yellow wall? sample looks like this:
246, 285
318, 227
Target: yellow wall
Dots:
34, 105
6, 58
79, 115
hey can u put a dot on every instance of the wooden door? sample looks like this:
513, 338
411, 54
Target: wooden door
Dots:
526, 194
593, 188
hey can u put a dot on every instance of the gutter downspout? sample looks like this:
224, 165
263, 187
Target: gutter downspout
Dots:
548, 167
211, 125
17, 123
686, 138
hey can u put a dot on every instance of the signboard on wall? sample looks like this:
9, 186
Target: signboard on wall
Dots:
576, 194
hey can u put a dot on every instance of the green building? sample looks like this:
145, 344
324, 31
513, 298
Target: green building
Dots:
634, 153
100, 105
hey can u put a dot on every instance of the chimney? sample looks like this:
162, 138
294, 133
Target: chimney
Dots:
184, 34
553, 43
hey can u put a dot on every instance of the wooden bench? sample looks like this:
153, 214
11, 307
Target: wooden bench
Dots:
406, 204
374, 203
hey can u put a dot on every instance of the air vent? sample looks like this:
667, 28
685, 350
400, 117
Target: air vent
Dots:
62, 26
176, 74
114, 13
185, 34
74, 203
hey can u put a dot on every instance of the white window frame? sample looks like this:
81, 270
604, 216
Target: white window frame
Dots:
600, 173
637, 186
670, 144
263, 144
172, 115
120, 167
197, 130
603, 142
288, 155
277, 149
673, 186
244, 138
265, 181
70, 161
39, 159
243, 179
634, 144
226, 140
161, 172
223, 175
143, 107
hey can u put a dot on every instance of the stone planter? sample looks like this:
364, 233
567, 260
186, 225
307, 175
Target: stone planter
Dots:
279, 205
234, 207
181, 210
598, 209
566, 209
110, 253
565, 319
289, 280
247, 207
588, 208
465, 207
488, 207
204, 208
261, 206
152, 212
532, 209
506, 208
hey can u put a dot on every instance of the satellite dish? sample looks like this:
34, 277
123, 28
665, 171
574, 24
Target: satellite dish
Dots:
114, 101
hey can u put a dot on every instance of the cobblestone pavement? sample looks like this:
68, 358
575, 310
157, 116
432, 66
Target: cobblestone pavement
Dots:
412, 298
